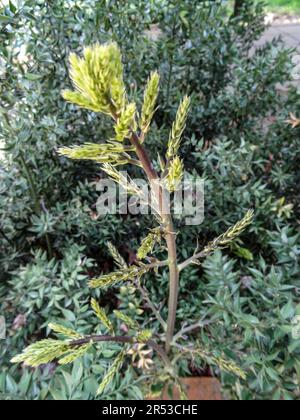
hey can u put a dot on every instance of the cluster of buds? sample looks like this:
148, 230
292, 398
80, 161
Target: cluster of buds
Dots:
149, 243
150, 99
98, 80
112, 152
231, 234
117, 277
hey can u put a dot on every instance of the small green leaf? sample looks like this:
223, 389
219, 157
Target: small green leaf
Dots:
115, 367
6, 19
250, 319
101, 315
69, 315
12, 7
33, 77
287, 311
243, 253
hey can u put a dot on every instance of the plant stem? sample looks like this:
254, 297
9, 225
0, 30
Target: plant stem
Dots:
31, 184
135, 162
174, 283
6, 237
170, 238
144, 159
121, 339
146, 297
49, 247
155, 265
164, 356
102, 339
193, 259
238, 5
36, 202
189, 329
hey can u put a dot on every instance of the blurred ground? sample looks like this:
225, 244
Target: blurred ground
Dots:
290, 33
288, 29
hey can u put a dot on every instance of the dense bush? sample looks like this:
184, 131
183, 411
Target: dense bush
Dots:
236, 139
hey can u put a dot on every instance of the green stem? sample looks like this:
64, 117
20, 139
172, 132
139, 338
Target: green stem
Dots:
6, 237
31, 184
49, 246
36, 202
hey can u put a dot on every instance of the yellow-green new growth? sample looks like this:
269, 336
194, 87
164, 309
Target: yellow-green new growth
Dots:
175, 174
126, 123
125, 182
144, 336
114, 369
131, 323
113, 279
74, 354
148, 244
98, 79
231, 234
114, 153
67, 332
150, 98
226, 365
100, 313
118, 259
222, 241
178, 128
47, 351
42, 352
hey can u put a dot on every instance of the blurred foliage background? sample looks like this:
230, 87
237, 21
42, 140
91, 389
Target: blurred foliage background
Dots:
237, 139
287, 6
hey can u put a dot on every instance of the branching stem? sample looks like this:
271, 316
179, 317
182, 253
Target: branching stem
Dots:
151, 305
193, 259
124, 340
170, 236
189, 329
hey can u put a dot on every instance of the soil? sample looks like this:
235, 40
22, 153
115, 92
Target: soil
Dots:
197, 389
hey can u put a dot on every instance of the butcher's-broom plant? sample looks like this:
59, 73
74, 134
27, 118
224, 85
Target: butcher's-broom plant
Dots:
99, 87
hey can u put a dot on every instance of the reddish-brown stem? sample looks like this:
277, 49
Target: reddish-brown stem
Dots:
170, 236
124, 340
101, 339
144, 158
